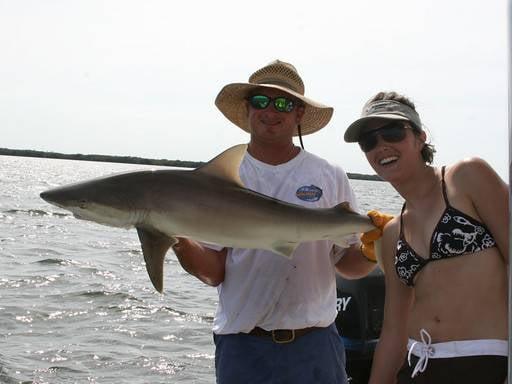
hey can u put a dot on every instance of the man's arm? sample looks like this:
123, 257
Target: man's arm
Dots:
207, 264
353, 264
358, 261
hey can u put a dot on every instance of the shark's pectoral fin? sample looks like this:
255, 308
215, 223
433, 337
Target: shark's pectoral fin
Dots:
378, 253
285, 249
343, 241
154, 247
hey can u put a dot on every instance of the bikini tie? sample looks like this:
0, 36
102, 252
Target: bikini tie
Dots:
426, 350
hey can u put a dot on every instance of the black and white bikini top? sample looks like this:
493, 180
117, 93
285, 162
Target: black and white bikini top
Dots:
455, 234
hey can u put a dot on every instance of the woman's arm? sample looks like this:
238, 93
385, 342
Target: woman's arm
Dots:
207, 264
391, 348
489, 196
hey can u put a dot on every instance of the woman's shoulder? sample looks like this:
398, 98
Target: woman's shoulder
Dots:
469, 164
391, 231
470, 171
392, 228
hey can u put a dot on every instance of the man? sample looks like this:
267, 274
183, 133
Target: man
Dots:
275, 318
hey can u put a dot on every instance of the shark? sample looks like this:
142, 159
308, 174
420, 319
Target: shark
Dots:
208, 204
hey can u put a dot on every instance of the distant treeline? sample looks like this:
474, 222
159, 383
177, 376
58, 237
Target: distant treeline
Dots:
105, 158
133, 160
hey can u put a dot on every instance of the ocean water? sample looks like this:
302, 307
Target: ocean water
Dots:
76, 304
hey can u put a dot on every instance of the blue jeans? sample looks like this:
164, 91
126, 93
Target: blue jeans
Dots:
317, 357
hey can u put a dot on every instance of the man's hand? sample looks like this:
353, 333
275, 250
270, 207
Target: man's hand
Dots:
207, 264
368, 238
184, 245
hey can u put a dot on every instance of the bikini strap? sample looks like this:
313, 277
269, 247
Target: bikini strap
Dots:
402, 220
444, 187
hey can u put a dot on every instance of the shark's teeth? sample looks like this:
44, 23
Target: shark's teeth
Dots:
388, 160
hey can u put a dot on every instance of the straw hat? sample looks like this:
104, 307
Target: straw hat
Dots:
278, 75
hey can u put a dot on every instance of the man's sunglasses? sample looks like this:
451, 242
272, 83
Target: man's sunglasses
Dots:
392, 133
281, 103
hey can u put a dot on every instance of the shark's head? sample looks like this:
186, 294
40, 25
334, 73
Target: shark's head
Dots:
105, 201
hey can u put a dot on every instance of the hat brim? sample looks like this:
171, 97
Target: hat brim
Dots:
362, 125
230, 102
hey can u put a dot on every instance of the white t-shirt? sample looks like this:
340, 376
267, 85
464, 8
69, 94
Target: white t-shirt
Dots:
267, 290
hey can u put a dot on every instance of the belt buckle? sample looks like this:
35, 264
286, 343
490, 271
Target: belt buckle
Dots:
283, 340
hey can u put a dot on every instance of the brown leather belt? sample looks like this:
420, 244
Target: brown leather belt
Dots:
282, 336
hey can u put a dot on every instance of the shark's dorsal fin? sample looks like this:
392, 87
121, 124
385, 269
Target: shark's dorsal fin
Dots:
226, 165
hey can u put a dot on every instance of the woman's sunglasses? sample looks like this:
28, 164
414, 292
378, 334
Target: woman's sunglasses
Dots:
281, 103
392, 133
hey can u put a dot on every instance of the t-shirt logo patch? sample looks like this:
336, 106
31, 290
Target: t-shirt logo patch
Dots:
309, 193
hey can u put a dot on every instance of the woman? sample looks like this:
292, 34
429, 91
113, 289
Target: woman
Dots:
445, 256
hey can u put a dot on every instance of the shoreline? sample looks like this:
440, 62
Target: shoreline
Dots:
133, 160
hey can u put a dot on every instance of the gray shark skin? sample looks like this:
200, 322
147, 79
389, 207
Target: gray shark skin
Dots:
208, 204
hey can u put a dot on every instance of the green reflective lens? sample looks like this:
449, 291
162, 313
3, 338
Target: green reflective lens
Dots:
260, 101
281, 104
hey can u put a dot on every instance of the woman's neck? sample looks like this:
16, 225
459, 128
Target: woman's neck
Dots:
417, 189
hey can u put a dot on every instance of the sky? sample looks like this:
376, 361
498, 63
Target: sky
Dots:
139, 77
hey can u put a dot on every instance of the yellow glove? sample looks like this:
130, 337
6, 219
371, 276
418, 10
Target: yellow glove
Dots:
368, 238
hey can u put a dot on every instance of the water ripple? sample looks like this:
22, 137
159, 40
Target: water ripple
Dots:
36, 212
55, 261
76, 304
